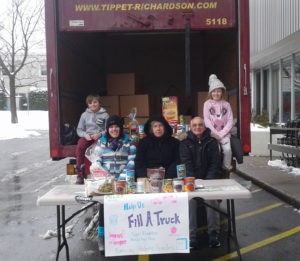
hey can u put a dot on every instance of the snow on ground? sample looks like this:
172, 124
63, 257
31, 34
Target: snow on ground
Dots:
281, 164
29, 122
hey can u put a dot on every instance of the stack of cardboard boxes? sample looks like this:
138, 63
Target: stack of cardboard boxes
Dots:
124, 93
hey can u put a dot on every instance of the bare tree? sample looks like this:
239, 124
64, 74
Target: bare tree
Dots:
18, 27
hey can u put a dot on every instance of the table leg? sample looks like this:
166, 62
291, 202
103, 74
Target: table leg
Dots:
229, 228
232, 210
101, 224
61, 232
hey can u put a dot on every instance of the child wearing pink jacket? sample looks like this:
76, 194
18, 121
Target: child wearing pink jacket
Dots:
219, 119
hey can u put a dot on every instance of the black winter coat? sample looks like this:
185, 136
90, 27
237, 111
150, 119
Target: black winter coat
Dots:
201, 157
153, 152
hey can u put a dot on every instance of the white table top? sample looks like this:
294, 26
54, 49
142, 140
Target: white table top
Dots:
213, 189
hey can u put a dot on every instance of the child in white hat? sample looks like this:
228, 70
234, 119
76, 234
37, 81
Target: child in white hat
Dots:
219, 119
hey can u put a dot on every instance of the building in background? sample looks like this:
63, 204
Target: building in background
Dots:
32, 78
275, 59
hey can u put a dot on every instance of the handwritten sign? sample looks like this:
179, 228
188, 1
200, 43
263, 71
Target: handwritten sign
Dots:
146, 224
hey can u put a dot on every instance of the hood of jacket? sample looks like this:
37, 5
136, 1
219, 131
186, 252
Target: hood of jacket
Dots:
102, 110
159, 118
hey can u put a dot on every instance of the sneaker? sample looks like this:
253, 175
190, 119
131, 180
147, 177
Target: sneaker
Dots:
80, 171
79, 180
214, 239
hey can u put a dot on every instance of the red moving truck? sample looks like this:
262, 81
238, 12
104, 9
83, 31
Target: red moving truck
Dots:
153, 49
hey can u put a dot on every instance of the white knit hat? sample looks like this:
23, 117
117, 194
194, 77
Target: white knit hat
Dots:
214, 83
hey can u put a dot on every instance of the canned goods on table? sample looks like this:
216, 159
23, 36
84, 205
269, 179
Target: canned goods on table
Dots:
120, 187
178, 185
167, 185
189, 184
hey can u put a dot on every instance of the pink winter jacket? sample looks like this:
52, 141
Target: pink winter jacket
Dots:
218, 117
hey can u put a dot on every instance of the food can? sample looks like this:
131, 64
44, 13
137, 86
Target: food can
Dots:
178, 185
120, 187
167, 185
140, 186
189, 184
181, 173
129, 176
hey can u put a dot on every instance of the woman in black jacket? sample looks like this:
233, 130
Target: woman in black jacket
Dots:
157, 149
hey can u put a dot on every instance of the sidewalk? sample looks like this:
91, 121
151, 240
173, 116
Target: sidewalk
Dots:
279, 182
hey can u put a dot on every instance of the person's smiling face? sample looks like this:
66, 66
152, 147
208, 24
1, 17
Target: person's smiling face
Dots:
217, 94
197, 126
114, 131
94, 105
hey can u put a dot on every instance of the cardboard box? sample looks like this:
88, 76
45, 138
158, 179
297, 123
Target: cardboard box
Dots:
170, 108
111, 104
141, 102
141, 120
122, 84
201, 98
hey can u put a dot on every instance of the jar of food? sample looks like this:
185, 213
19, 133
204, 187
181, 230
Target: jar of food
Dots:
178, 185
167, 185
120, 187
189, 184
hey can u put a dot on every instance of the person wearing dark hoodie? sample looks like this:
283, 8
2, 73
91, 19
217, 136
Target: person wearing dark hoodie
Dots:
201, 155
157, 149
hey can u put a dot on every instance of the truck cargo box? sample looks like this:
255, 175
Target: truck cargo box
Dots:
172, 47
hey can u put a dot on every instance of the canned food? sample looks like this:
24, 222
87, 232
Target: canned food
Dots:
178, 185
181, 173
140, 187
120, 187
167, 185
189, 184
129, 176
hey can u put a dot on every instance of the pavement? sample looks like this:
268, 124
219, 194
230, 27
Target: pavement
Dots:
281, 183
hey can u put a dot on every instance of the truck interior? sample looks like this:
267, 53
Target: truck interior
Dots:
159, 58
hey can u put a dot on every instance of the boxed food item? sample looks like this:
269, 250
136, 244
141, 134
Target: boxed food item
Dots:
170, 108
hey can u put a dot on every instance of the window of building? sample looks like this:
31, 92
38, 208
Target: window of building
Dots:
275, 93
297, 86
265, 90
43, 69
286, 90
257, 92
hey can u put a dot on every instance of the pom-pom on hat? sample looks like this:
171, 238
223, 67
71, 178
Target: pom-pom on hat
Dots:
214, 83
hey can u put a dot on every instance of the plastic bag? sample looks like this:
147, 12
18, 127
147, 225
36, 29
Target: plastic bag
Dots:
133, 125
68, 134
97, 171
99, 187
93, 152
